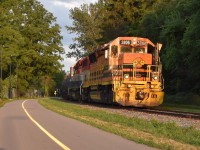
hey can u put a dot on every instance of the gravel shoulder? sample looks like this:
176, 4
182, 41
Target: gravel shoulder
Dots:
183, 122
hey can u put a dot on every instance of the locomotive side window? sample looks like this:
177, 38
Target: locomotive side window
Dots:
114, 51
85, 62
126, 49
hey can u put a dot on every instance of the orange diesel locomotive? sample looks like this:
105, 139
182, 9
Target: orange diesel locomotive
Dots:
126, 70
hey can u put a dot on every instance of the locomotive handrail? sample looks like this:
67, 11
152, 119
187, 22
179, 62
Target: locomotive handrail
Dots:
149, 71
134, 72
81, 87
162, 79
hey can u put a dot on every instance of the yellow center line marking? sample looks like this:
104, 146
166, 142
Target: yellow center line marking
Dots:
44, 130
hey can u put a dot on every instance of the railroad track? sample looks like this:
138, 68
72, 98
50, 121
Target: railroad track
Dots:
174, 113
179, 114
169, 113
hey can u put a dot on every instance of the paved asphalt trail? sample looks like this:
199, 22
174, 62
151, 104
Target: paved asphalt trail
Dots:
19, 132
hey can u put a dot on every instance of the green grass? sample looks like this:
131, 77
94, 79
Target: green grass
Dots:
188, 102
179, 107
152, 133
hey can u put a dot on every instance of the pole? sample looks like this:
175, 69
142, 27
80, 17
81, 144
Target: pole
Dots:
10, 93
17, 82
1, 75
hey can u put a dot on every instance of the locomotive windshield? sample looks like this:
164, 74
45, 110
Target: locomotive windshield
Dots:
130, 49
126, 49
135, 46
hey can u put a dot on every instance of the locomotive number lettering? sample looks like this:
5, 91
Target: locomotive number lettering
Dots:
125, 42
141, 43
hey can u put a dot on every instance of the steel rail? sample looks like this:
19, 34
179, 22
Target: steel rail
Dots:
174, 113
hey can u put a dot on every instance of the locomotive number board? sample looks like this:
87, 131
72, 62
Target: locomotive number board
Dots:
141, 43
125, 42
129, 42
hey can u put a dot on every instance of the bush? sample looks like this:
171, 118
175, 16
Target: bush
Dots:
182, 98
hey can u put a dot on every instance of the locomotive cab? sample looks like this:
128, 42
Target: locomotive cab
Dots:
137, 79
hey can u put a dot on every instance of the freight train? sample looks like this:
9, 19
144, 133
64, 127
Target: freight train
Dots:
126, 71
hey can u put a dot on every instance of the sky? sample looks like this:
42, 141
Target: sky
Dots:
60, 10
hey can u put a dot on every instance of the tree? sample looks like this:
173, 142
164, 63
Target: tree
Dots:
99, 23
191, 46
58, 78
86, 27
33, 44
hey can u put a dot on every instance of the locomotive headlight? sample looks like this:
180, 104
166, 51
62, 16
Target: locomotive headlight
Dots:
155, 78
126, 76
155, 75
134, 41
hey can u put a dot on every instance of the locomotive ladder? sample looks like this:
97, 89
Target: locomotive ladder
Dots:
117, 78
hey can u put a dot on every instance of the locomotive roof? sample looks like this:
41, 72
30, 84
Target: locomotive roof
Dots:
106, 46
133, 39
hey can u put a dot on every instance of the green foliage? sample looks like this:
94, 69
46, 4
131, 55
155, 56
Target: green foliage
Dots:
188, 102
191, 46
30, 42
99, 23
86, 27
59, 77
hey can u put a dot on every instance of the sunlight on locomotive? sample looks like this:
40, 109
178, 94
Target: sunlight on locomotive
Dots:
126, 70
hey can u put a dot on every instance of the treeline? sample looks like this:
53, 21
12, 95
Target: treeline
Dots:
175, 23
30, 49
